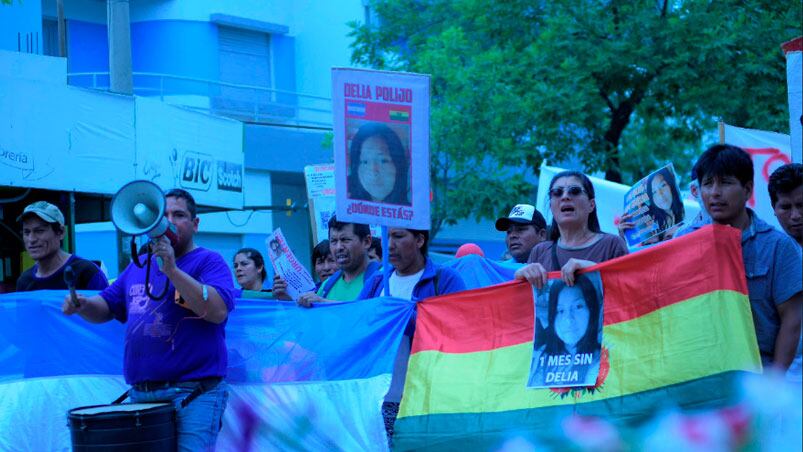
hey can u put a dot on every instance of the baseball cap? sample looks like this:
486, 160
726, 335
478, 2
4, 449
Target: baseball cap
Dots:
522, 214
45, 211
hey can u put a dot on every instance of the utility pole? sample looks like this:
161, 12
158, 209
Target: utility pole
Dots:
61, 29
118, 22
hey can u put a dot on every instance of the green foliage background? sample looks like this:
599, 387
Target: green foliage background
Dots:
621, 86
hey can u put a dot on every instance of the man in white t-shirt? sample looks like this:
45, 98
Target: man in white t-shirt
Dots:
414, 277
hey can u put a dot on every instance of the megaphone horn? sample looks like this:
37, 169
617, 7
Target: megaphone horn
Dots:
138, 209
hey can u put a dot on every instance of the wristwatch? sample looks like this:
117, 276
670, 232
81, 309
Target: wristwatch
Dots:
205, 292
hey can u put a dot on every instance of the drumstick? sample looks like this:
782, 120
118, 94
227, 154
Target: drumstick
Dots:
69, 279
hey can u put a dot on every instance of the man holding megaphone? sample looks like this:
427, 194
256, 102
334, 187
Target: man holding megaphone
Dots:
175, 347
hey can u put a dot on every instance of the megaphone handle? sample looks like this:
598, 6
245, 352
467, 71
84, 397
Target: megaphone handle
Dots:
134, 255
148, 278
74, 297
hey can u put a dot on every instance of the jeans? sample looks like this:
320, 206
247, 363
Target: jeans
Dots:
199, 422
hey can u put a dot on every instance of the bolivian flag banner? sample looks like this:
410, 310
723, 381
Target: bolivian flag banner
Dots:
677, 330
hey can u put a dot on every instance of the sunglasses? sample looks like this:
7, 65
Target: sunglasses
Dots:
572, 190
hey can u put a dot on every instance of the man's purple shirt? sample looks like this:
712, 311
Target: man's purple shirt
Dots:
164, 341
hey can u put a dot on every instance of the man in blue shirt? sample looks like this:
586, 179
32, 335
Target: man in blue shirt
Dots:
772, 260
786, 195
414, 277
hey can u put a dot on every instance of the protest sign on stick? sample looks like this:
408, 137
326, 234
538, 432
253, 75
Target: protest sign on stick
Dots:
655, 207
286, 265
381, 136
320, 181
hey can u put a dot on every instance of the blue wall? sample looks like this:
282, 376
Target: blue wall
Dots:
174, 47
284, 67
87, 47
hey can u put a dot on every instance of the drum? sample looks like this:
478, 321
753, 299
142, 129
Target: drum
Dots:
126, 427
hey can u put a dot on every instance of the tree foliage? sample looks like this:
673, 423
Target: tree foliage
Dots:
621, 85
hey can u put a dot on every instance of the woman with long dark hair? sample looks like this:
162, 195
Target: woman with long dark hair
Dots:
378, 165
575, 239
666, 207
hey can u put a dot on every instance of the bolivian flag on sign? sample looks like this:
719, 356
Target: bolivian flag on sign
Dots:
677, 331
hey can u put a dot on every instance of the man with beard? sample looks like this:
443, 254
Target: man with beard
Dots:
524, 228
349, 243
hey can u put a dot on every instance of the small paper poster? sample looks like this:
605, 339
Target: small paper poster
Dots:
286, 265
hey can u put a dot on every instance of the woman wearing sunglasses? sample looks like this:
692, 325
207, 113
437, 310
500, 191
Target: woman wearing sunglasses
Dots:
575, 240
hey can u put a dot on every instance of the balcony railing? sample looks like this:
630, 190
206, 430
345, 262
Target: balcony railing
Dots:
244, 102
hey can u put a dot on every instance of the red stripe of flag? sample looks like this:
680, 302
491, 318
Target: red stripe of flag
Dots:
635, 285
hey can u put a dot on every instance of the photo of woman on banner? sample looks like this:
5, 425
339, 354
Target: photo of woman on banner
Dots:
571, 344
378, 165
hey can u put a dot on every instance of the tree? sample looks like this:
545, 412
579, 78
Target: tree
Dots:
621, 85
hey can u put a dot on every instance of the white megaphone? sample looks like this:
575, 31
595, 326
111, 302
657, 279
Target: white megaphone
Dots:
138, 209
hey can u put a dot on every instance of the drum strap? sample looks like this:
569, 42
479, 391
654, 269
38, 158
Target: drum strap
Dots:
120, 399
203, 386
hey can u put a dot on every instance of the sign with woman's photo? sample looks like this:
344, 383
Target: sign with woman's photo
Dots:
654, 206
286, 265
381, 135
567, 336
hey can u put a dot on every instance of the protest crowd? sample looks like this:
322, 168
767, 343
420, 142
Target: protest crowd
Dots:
346, 272
639, 317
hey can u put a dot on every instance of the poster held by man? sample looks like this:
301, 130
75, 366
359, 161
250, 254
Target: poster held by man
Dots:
654, 207
286, 265
381, 136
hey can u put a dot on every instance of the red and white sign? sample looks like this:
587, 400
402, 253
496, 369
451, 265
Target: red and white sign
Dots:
769, 150
381, 128
794, 77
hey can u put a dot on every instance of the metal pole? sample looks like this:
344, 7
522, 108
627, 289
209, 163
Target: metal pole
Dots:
71, 247
386, 268
62, 30
118, 23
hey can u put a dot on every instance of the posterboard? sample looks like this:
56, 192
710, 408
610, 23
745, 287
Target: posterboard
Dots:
381, 136
286, 265
320, 181
794, 78
567, 333
655, 207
